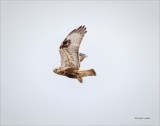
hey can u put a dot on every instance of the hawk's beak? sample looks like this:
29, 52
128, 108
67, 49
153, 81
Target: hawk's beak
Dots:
54, 70
57, 71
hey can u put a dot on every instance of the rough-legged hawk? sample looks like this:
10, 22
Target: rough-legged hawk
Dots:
71, 58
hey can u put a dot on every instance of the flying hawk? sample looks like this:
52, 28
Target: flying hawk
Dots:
71, 58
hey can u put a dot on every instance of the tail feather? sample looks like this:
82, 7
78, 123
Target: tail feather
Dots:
85, 73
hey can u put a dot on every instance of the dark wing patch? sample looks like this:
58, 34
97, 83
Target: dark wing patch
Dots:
65, 43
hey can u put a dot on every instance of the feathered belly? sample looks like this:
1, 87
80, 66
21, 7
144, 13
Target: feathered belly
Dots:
71, 73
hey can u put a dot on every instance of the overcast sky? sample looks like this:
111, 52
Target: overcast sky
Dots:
122, 45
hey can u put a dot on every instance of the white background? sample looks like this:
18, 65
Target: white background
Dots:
122, 44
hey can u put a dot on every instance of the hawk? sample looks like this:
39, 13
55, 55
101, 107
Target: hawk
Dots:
71, 58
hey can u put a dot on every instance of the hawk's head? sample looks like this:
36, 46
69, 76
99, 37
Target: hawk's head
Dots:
58, 71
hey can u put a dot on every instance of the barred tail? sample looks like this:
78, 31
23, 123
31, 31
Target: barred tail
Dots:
85, 73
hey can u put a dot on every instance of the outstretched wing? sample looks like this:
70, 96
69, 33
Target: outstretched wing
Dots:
69, 49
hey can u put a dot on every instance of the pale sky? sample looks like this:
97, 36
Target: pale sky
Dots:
122, 45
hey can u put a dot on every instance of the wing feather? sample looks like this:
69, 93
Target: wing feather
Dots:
69, 49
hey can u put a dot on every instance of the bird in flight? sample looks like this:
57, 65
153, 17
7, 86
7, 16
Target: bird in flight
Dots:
71, 58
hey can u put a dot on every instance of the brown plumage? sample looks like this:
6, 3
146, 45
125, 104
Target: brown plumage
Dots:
71, 58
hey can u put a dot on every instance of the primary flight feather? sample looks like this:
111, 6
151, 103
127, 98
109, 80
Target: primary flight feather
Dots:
70, 56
